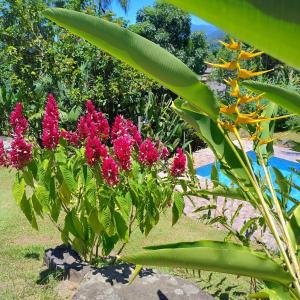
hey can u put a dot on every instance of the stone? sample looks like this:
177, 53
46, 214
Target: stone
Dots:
67, 260
112, 283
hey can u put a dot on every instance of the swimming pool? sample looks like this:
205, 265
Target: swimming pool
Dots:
282, 164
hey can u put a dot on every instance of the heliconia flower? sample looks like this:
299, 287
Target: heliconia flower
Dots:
244, 55
3, 155
245, 74
233, 83
229, 109
122, 150
21, 152
231, 66
148, 154
94, 150
233, 45
164, 154
51, 133
71, 137
179, 163
93, 123
110, 171
17, 120
123, 127
248, 98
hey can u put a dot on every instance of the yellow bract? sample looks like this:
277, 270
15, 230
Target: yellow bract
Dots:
231, 66
244, 55
232, 45
245, 74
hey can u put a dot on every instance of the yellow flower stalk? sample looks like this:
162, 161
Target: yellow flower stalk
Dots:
243, 99
230, 66
232, 45
234, 86
244, 55
230, 109
245, 74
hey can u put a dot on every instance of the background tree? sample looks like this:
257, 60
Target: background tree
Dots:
170, 27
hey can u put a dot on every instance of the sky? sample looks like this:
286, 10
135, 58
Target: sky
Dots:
135, 5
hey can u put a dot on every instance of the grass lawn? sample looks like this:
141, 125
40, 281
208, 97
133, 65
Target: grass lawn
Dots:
23, 276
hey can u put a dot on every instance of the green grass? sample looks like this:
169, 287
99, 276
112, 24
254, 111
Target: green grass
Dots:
23, 276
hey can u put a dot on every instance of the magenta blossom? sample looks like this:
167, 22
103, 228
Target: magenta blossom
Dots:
93, 123
110, 171
148, 154
164, 154
17, 120
51, 133
179, 163
71, 137
122, 150
3, 155
123, 127
20, 153
94, 150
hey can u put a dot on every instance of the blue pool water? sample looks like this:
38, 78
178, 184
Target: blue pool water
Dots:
282, 164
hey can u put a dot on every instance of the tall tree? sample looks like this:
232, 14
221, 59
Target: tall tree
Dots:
170, 27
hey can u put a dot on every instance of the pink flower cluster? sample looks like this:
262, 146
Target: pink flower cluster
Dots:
122, 150
71, 137
17, 120
148, 154
124, 127
20, 153
110, 171
179, 163
51, 133
93, 123
94, 150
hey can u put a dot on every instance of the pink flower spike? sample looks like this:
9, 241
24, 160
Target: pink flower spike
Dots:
110, 171
71, 137
122, 150
3, 155
164, 154
94, 150
20, 153
179, 163
148, 154
17, 120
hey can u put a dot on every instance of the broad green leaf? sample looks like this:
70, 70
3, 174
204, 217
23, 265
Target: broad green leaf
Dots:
94, 221
141, 54
269, 25
281, 96
213, 256
37, 205
221, 191
68, 178
229, 156
42, 195
18, 189
273, 292
121, 226
177, 208
106, 220
293, 227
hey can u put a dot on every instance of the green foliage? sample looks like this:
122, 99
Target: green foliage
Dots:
170, 27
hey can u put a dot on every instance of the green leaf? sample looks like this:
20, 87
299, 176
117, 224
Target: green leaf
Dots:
121, 226
36, 205
293, 227
43, 196
94, 221
281, 96
274, 292
213, 256
141, 54
68, 178
177, 208
271, 26
221, 191
18, 189
106, 220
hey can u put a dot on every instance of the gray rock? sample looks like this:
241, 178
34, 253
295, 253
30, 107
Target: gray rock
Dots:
67, 260
111, 283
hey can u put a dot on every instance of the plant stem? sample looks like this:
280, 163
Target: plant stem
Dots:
282, 220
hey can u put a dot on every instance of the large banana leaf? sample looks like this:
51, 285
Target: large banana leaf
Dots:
269, 25
229, 156
141, 54
213, 256
283, 97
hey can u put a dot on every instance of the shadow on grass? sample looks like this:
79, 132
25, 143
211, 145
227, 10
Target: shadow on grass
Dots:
32, 255
47, 276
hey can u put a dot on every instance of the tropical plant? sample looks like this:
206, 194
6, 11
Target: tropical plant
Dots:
268, 27
95, 189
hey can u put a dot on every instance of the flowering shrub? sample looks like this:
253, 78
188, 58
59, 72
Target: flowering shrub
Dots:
95, 183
